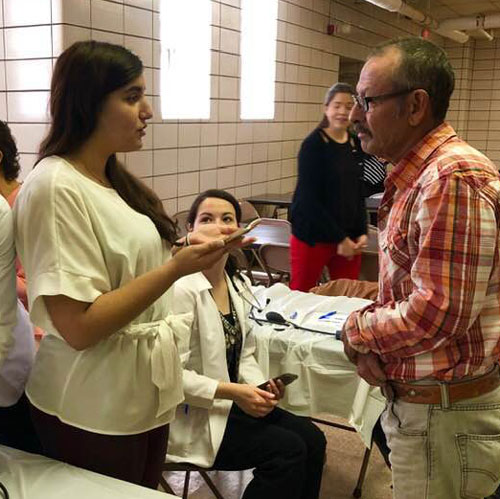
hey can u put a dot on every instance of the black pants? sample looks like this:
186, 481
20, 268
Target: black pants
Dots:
134, 458
287, 452
16, 427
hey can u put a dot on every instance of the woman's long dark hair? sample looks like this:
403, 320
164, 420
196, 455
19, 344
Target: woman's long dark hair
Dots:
84, 75
231, 267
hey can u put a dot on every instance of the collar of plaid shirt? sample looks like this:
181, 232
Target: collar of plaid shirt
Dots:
438, 310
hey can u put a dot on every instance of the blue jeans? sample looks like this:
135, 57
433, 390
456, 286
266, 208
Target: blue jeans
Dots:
441, 453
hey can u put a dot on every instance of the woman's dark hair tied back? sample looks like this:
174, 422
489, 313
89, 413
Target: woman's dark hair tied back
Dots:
9, 165
232, 265
337, 88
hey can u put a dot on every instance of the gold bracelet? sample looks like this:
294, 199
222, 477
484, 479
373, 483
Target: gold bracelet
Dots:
186, 240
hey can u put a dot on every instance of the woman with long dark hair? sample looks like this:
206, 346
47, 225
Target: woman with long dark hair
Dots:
328, 211
227, 421
95, 243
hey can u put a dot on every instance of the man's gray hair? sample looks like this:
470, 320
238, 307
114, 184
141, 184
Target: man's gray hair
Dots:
423, 65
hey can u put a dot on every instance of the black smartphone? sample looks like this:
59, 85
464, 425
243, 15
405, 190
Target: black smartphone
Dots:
286, 379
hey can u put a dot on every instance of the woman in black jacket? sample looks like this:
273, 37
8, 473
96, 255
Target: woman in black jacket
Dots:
328, 211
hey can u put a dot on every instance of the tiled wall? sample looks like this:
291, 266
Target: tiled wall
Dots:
180, 159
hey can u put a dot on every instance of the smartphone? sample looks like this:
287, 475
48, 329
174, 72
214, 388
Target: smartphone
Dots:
241, 232
286, 379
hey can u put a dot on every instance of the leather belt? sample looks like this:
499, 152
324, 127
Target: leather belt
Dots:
444, 393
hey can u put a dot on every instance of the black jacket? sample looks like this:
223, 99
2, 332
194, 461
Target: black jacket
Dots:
328, 203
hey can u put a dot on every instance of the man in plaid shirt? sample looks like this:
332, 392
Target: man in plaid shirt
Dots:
432, 338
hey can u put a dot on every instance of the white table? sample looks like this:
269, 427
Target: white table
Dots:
327, 380
30, 476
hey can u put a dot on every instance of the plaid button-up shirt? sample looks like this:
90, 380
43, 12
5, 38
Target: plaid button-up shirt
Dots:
438, 310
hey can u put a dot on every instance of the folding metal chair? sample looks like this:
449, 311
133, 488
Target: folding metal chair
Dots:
248, 211
275, 259
369, 258
188, 468
181, 218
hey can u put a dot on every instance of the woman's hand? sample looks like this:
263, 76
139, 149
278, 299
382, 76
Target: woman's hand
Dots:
191, 259
210, 232
277, 388
362, 242
347, 248
250, 399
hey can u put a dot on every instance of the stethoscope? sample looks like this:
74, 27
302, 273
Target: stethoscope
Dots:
274, 318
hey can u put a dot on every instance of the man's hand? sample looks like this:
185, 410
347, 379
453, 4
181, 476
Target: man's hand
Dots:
370, 369
368, 364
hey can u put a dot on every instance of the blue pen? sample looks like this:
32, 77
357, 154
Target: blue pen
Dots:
329, 314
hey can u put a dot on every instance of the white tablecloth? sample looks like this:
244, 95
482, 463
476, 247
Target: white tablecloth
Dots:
30, 476
327, 380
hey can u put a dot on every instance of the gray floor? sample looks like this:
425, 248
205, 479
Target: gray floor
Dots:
344, 455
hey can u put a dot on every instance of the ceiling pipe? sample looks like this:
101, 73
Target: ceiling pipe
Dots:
482, 21
416, 15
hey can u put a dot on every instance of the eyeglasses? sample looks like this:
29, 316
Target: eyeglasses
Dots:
364, 102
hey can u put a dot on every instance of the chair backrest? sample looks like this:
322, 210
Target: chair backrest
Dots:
278, 222
248, 211
276, 261
369, 258
372, 246
181, 218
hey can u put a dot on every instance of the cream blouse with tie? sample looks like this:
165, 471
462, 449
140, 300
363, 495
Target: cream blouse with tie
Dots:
80, 239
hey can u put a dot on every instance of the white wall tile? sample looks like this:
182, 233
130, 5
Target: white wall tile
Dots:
29, 75
208, 157
165, 186
227, 133
144, 4
75, 12
3, 106
165, 161
107, 36
165, 135
107, 16
27, 162
140, 163
138, 22
208, 180
28, 136
28, 107
209, 134
189, 159
188, 183
63, 36
32, 42
26, 12
189, 134
226, 155
225, 177
141, 47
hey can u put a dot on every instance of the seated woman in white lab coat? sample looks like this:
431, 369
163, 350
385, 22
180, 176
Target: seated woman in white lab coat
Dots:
226, 422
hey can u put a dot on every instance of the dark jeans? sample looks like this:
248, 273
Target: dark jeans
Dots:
134, 458
16, 427
287, 452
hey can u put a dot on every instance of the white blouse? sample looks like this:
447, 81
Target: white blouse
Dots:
8, 295
80, 239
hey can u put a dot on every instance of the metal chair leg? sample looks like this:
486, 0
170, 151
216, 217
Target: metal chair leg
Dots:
211, 484
186, 485
362, 472
166, 487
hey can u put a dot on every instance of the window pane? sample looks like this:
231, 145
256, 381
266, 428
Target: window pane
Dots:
185, 31
259, 27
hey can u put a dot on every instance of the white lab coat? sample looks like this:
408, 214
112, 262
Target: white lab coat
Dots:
198, 428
